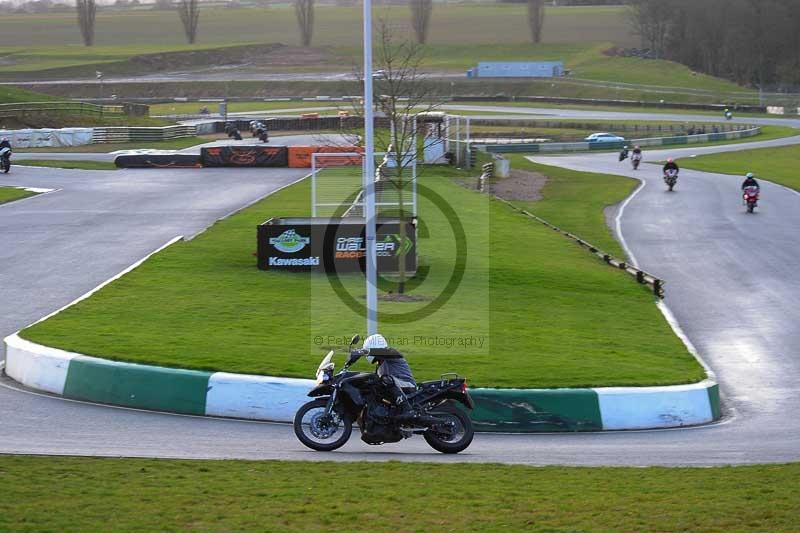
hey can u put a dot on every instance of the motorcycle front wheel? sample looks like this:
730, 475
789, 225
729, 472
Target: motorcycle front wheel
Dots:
462, 432
319, 432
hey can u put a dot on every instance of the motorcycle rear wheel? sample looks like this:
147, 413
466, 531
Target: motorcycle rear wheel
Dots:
463, 434
750, 207
304, 429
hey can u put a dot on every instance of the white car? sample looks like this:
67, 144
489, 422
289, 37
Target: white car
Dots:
604, 138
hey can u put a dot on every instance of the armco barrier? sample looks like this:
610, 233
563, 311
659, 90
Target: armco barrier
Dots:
656, 284
245, 156
123, 134
585, 146
158, 161
80, 377
300, 156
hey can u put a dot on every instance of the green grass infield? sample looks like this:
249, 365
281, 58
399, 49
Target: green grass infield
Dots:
773, 164
68, 164
532, 310
9, 194
72, 493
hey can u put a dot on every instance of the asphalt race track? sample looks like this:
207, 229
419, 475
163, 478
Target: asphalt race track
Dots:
731, 283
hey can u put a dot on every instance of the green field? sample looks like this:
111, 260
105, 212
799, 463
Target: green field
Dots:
192, 108
773, 164
70, 164
550, 314
143, 31
14, 95
70, 493
461, 35
9, 194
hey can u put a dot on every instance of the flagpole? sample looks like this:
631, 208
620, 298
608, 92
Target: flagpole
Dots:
369, 176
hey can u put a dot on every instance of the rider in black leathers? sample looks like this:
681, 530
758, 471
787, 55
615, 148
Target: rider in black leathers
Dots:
671, 165
750, 181
393, 370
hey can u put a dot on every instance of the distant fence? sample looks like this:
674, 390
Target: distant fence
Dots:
124, 134
616, 127
60, 108
509, 147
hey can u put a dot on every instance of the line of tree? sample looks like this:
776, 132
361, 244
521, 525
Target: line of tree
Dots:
753, 42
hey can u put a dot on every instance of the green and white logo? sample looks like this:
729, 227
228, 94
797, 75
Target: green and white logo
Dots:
289, 242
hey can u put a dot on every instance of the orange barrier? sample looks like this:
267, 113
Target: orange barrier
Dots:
300, 156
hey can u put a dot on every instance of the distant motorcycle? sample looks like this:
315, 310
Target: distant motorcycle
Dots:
750, 198
326, 422
636, 160
671, 178
5, 159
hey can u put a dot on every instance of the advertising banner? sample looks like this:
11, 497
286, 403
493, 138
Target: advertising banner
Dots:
332, 245
245, 156
300, 156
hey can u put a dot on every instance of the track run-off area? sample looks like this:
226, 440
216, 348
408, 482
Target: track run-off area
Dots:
731, 287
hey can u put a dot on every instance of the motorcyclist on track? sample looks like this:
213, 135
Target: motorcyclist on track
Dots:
5, 143
394, 372
623, 155
750, 181
671, 165
637, 150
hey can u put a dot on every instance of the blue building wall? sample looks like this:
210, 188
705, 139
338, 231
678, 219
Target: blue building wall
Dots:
517, 69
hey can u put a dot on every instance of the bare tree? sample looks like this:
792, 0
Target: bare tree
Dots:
402, 93
304, 10
652, 20
189, 11
86, 14
421, 11
536, 19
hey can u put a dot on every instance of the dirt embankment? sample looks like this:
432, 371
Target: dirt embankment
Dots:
521, 185
253, 56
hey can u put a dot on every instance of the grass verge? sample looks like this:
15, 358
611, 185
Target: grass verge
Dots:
69, 164
575, 201
65, 493
9, 194
773, 164
546, 313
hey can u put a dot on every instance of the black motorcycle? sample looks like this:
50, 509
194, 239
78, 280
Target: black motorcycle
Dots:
5, 159
325, 423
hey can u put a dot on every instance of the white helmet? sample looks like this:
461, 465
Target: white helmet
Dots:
374, 341
749, 175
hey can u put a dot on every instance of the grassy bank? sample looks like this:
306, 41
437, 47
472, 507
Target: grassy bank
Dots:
128, 32
773, 164
69, 164
9, 194
545, 313
64, 493
135, 42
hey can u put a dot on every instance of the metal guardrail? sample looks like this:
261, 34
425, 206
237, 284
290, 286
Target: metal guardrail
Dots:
65, 108
123, 134
645, 278
508, 146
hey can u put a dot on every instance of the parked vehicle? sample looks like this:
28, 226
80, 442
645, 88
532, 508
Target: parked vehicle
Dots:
340, 399
671, 178
750, 197
604, 138
5, 159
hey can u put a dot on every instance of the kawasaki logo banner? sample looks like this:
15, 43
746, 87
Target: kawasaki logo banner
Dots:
333, 245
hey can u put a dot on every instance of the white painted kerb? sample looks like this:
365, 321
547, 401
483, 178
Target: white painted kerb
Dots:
655, 407
256, 397
36, 366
